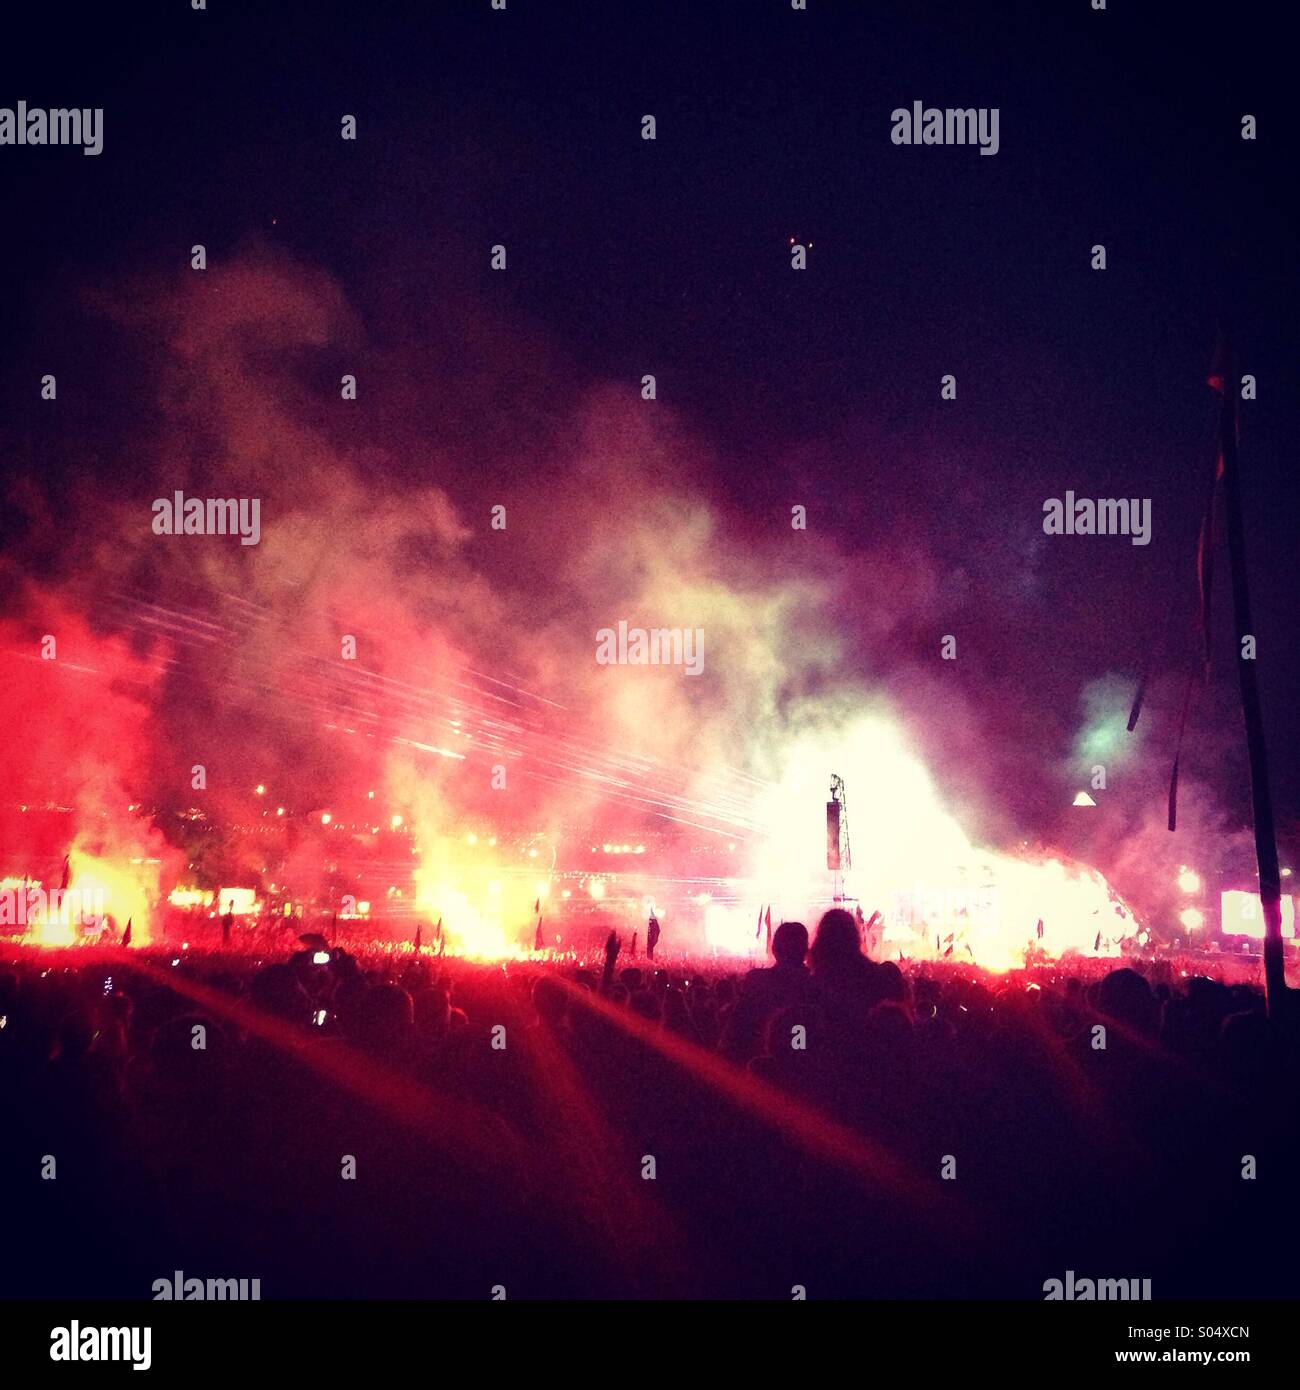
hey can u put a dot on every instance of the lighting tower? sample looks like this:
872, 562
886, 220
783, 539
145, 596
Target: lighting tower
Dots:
838, 855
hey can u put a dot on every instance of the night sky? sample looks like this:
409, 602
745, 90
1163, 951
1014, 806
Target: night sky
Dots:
672, 257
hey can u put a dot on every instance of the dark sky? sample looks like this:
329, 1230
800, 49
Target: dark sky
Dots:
1120, 127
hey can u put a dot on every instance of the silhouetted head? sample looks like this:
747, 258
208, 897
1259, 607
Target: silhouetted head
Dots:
1126, 996
790, 943
383, 1018
1207, 996
415, 977
892, 982
274, 990
432, 1010
836, 946
646, 1004
550, 999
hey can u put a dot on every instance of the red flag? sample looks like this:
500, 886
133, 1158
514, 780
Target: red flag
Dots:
758, 926
126, 935
537, 935
769, 930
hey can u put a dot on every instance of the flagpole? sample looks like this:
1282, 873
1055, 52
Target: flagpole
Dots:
1270, 880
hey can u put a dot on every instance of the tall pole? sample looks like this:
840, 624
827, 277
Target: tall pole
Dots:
1270, 880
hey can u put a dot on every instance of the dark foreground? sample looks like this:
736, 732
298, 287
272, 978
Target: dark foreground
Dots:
434, 1128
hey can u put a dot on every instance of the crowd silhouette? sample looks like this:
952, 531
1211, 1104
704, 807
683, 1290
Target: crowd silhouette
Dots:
340, 1127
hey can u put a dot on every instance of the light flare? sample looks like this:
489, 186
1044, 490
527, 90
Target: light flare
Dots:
101, 890
939, 894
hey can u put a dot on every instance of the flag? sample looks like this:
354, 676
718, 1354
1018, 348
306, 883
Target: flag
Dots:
768, 919
1205, 544
1205, 541
1205, 567
439, 929
126, 935
537, 906
67, 873
758, 926
537, 935
418, 932
1137, 701
1205, 537
872, 930
1178, 750
1096, 945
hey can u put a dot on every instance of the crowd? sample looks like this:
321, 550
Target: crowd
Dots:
427, 1127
